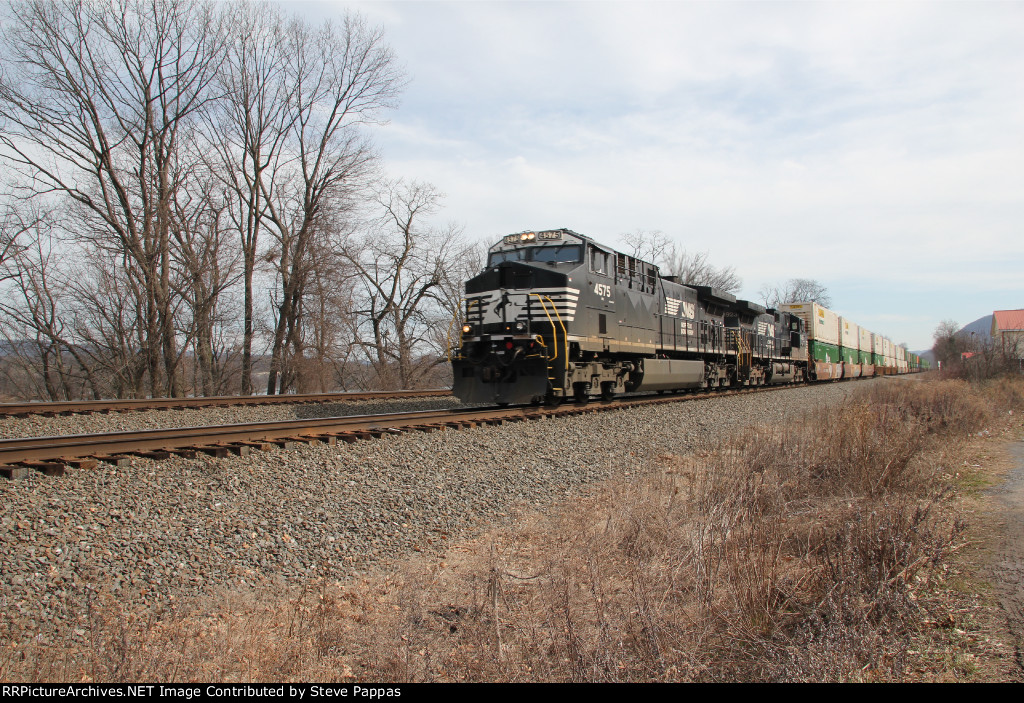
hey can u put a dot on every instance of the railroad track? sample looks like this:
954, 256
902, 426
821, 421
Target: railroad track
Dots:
51, 409
54, 455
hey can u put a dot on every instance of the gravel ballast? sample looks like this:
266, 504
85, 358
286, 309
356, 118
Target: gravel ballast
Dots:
88, 423
187, 527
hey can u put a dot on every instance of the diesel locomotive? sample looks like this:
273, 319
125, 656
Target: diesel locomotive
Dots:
556, 315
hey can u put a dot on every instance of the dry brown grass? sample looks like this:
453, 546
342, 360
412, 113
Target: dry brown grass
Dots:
800, 552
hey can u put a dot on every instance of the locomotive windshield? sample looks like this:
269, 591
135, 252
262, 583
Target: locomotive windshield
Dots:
511, 255
564, 254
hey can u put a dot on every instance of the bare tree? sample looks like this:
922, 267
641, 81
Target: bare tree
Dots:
193, 146
207, 256
950, 343
93, 105
653, 246
696, 270
15, 222
673, 260
342, 78
796, 290
31, 321
247, 133
404, 273
108, 318
328, 325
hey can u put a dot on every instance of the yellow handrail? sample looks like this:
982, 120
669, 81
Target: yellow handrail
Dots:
554, 332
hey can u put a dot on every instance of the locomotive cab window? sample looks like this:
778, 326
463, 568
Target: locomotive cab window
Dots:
564, 254
598, 261
497, 257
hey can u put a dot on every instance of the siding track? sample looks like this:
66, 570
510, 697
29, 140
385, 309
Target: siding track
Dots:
109, 406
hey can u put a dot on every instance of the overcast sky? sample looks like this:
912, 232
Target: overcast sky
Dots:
876, 147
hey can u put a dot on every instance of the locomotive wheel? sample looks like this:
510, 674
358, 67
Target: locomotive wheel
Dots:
580, 394
607, 390
553, 401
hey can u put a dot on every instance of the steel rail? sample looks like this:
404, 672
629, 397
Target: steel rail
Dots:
65, 449
92, 406
26, 450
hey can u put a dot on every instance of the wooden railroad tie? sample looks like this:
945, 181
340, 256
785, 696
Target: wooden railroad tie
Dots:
220, 451
47, 468
156, 455
13, 472
258, 444
120, 461
87, 463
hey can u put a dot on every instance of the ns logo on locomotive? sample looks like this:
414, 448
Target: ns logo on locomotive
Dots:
556, 315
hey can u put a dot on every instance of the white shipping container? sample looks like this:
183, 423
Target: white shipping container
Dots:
849, 334
864, 340
877, 344
822, 324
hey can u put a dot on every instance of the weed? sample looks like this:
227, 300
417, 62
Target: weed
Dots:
803, 551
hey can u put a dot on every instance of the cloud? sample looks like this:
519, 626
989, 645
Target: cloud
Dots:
850, 142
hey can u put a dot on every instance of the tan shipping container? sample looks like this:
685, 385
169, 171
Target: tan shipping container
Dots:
849, 334
822, 324
864, 340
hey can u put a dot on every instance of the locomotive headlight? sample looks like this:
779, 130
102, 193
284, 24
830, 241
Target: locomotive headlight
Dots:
467, 329
520, 326
528, 236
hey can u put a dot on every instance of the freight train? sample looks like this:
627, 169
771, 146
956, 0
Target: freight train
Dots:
556, 315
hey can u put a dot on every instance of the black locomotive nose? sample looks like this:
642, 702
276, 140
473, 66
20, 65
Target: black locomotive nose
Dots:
516, 275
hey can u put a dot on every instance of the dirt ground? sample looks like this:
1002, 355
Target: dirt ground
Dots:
1007, 563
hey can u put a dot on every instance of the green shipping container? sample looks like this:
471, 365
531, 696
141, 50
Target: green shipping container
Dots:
849, 356
865, 357
822, 351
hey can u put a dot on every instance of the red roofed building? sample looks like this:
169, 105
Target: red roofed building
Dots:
1008, 332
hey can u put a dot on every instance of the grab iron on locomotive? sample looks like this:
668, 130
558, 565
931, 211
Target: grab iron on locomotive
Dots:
557, 315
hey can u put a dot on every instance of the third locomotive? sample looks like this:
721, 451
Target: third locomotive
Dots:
556, 315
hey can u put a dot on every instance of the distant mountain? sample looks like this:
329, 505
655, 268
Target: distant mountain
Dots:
982, 328
927, 355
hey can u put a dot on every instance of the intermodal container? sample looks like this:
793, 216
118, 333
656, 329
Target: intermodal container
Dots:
864, 340
849, 341
822, 324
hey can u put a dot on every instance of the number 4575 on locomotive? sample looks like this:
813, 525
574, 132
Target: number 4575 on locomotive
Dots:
557, 315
